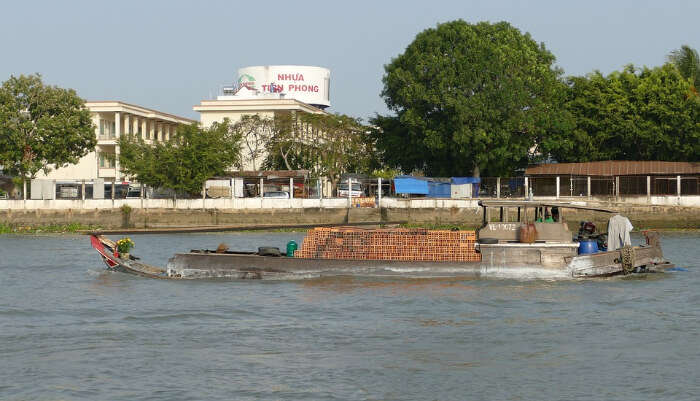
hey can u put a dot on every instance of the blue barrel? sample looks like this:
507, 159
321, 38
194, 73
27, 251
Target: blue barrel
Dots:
587, 246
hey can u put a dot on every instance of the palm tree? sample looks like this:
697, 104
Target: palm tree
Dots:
688, 63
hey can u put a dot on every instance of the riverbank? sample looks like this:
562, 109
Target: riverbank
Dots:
176, 220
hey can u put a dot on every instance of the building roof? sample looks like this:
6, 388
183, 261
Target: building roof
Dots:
255, 105
616, 168
115, 105
272, 174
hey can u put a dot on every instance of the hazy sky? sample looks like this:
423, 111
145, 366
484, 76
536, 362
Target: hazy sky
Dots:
169, 55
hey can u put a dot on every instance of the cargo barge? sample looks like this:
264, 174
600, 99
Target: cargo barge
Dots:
526, 239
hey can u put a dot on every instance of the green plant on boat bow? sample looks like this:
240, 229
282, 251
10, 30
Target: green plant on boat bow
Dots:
124, 245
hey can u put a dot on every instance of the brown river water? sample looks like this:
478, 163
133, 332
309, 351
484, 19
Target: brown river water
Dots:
69, 330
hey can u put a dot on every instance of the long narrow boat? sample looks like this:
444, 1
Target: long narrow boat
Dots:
500, 248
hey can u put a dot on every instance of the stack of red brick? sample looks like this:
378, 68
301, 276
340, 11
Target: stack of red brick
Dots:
409, 244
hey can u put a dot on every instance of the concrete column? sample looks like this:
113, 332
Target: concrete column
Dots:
82, 190
379, 192
588, 186
498, 187
117, 124
135, 125
648, 188
114, 188
349, 192
678, 188
558, 181
617, 188
24, 190
151, 130
127, 123
261, 187
526, 187
291, 188
144, 128
117, 134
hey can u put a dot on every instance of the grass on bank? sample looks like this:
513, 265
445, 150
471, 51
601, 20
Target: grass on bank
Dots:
71, 228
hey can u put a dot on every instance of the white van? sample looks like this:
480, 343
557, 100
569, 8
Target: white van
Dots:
357, 191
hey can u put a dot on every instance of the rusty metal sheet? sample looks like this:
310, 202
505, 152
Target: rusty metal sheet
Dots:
616, 168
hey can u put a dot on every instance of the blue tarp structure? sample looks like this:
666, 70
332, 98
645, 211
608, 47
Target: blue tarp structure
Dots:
439, 189
465, 180
474, 181
430, 187
405, 184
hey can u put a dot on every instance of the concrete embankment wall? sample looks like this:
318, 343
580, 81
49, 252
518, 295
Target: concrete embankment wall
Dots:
118, 218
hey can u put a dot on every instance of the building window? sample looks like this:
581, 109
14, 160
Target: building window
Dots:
105, 160
107, 129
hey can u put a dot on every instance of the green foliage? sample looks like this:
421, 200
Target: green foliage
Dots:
186, 161
326, 144
687, 61
125, 244
647, 114
255, 133
41, 127
6, 228
126, 209
467, 97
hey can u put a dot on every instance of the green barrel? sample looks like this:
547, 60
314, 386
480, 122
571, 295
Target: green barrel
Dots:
291, 247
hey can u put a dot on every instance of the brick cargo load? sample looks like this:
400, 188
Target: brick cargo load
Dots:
402, 244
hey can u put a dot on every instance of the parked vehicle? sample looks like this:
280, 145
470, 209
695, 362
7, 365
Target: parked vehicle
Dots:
276, 194
358, 190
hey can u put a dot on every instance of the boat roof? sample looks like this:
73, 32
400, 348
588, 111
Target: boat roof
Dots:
526, 203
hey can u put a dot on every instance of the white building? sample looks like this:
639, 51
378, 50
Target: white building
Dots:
113, 119
265, 91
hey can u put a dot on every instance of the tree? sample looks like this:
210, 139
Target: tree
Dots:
41, 127
326, 144
687, 61
467, 97
255, 132
186, 161
633, 114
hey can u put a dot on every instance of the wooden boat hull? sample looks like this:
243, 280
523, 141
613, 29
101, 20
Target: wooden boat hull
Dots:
242, 265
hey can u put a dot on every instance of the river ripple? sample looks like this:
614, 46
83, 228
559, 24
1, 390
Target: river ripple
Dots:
71, 331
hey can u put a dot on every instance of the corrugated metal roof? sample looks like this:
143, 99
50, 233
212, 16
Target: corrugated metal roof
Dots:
615, 168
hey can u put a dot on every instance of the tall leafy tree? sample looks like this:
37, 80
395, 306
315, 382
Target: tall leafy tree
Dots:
633, 114
41, 127
687, 61
468, 97
326, 144
186, 161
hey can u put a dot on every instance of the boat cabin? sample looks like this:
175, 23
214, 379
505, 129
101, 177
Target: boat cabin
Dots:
503, 219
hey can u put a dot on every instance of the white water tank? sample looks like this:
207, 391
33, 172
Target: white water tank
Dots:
306, 84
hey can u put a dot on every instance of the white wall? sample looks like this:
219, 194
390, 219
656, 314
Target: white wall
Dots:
262, 203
